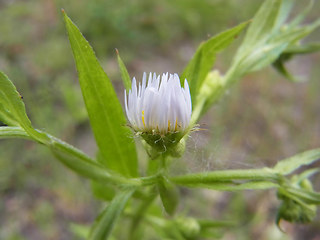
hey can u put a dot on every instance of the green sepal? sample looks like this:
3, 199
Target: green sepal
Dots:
170, 144
295, 212
103, 225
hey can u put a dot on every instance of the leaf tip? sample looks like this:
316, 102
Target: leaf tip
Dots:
117, 51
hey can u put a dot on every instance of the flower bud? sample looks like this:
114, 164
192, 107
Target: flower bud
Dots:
159, 110
189, 227
296, 211
293, 211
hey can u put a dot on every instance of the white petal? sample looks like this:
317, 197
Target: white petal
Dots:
159, 104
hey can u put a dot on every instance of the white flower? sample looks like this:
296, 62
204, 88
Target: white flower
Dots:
159, 106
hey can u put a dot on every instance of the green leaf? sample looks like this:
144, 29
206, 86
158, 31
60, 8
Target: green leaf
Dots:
139, 213
12, 109
283, 13
169, 195
204, 58
262, 25
302, 49
100, 190
281, 68
5, 116
291, 164
290, 52
208, 223
307, 196
267, 38
104, 109
103, 191
79, 230
72, 157
13, 132
305, 175
124, 72
299, 18
103, 225
80, 163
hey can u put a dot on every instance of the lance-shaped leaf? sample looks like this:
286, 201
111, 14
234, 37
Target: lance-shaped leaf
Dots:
169, 195
267, 38
105, 112
291, 164
124, 72
263, 24
12, 109
70, 156
103, 225
13, 132
290, 52
204, 58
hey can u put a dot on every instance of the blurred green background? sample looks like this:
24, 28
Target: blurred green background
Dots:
263, 119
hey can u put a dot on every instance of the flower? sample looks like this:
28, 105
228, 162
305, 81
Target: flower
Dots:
159, 106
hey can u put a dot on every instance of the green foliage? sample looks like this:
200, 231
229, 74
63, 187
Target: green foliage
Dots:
298, 202
267, 37
115, 170
289, 165
103, 225
12, 108
169, 195
124, 73
289, 53
204, 58
104, 109
68, 155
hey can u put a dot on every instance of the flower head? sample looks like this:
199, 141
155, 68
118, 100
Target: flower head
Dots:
159, 105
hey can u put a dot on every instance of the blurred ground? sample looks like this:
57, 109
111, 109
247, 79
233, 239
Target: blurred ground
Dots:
263, 119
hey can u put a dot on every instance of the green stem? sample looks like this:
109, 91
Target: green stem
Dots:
74, 158
150, 180
163, 163
139, 214
264, 174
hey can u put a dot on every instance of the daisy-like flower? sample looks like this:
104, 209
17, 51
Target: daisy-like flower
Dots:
159, 105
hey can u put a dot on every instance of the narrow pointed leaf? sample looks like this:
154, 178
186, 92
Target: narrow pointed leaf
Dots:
290, 52
263, 23
105, 112
302, 49
124, 72
291, 164
204, 58
169, 195
103, 225
80, 163
12, 109
100, 190
13, 132
70, 156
